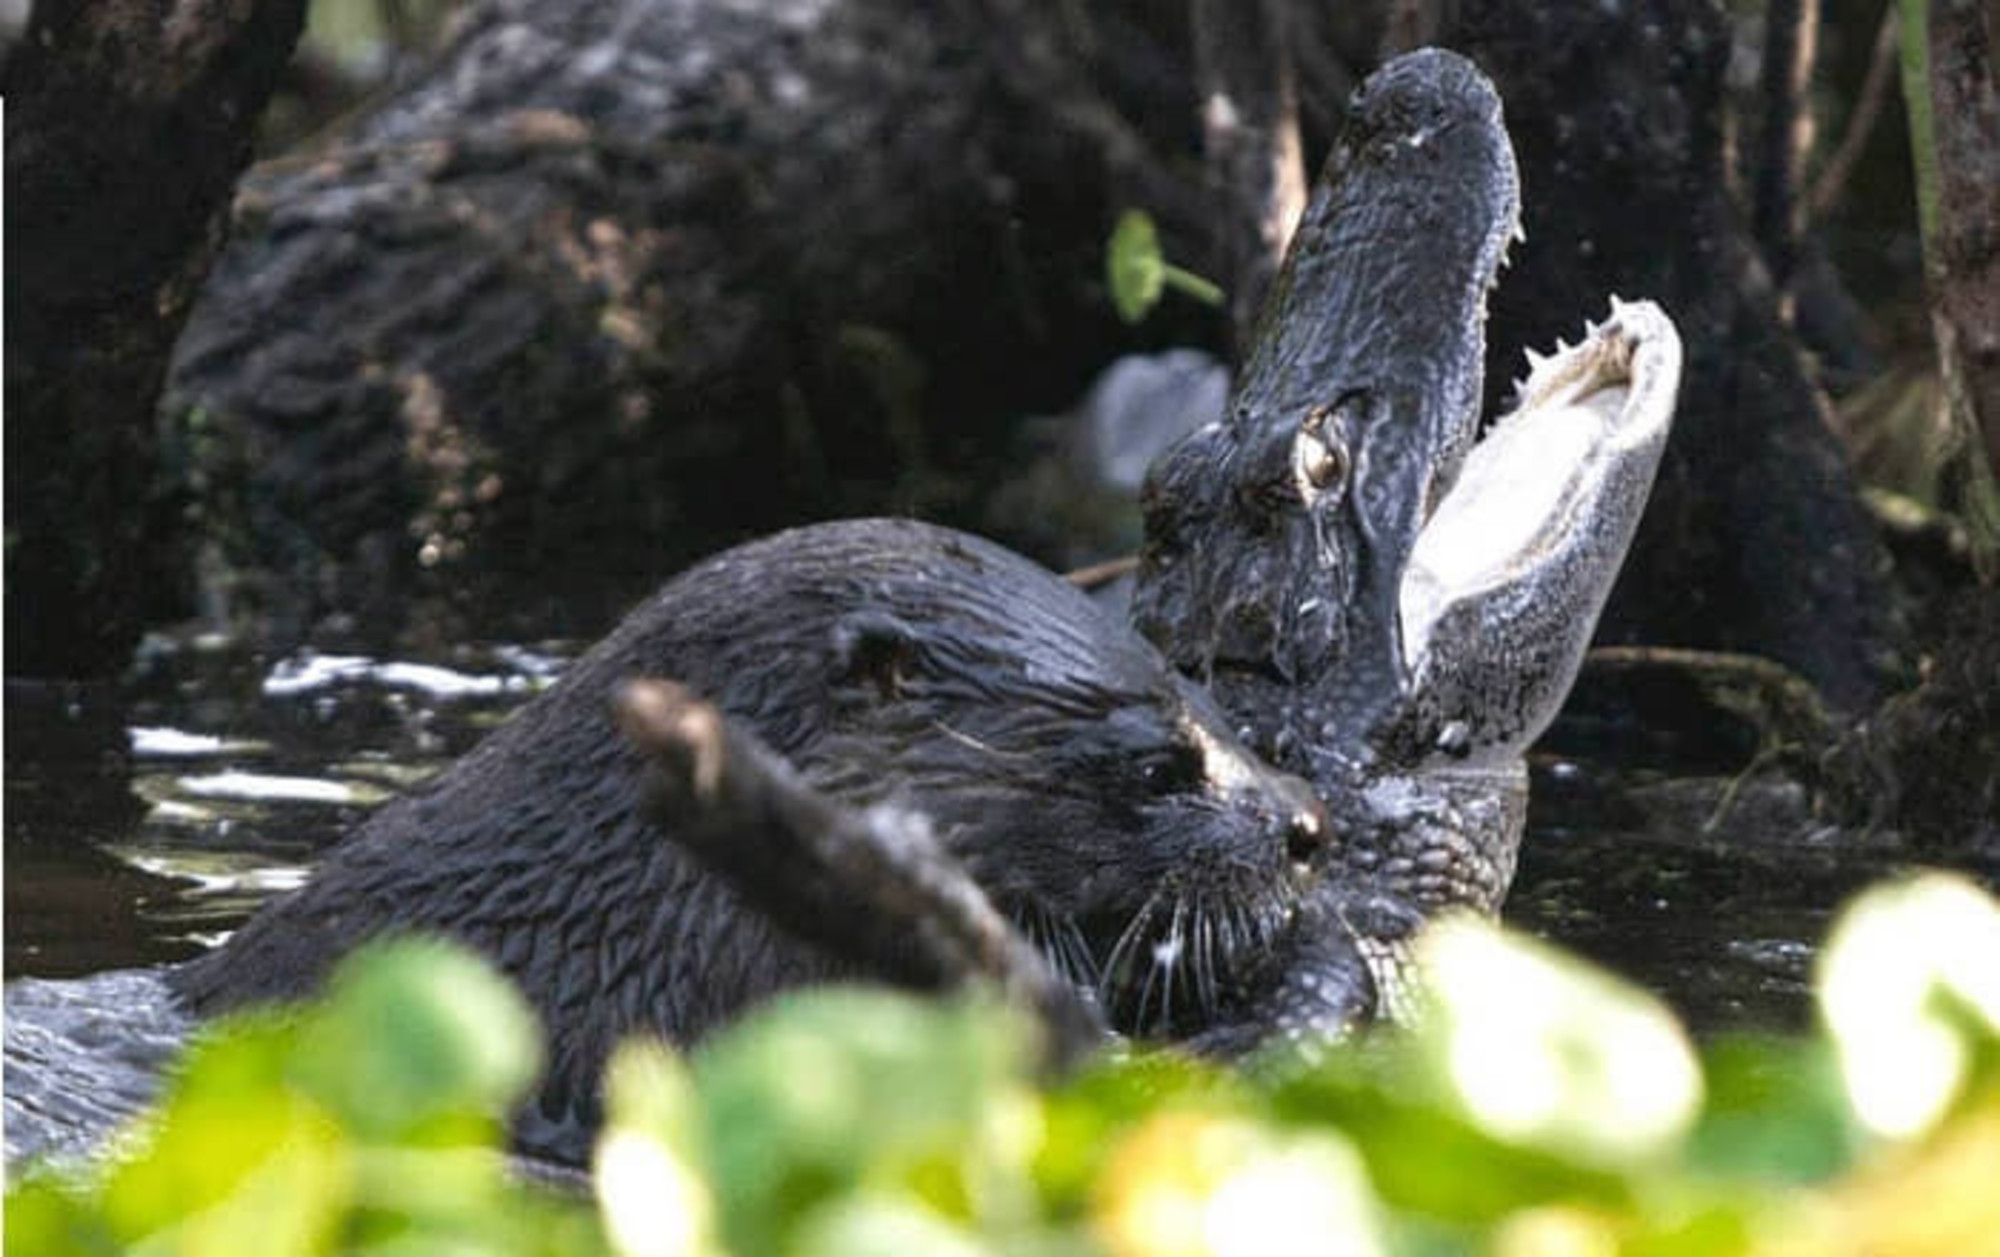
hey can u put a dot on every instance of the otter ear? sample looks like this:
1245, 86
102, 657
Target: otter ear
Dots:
875, 648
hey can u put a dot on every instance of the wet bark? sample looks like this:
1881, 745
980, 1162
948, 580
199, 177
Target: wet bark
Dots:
127, 126
613, 285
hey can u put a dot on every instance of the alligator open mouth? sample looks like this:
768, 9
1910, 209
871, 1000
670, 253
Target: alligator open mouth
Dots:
1508, 574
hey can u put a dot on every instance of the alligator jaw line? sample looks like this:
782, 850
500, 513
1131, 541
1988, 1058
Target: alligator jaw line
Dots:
1518, 557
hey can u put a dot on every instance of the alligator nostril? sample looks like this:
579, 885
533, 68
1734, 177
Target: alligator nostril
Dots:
1308, 831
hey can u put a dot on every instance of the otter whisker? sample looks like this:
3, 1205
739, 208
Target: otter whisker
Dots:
1077, 958
1168, 954
1207, 991
1060, 939
1118, 967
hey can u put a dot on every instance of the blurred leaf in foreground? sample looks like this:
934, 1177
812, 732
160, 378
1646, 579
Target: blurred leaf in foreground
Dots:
648, 1172
830, 1090
1543, 1049
1909, 989
1191, 1184
1776, 1112
415, 1035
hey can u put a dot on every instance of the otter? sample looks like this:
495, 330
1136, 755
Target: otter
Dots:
1095, 796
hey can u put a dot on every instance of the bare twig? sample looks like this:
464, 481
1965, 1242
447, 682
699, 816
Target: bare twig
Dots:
874, 887
1102, 573
1250, 127
1784, 707
1861, 119
1785, 134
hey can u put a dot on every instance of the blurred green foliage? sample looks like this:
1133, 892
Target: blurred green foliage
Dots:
1539, 1107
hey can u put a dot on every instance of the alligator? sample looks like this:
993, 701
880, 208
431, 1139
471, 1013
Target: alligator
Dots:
1388, 605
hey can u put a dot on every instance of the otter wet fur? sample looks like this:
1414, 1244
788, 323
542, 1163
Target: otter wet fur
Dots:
1095, 796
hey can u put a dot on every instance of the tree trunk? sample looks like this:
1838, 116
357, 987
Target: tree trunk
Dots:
1955, 108
1755, 539
126, 129
616, 284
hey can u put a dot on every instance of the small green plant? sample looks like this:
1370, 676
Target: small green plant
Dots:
1540, 1106
1138, 273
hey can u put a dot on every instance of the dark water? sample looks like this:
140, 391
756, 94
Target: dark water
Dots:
145, 834
241, 769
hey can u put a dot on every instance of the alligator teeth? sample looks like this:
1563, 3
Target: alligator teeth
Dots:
1536, 361
1520, 232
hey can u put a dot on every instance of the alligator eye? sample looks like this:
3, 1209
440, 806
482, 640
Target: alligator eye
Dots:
1318, 458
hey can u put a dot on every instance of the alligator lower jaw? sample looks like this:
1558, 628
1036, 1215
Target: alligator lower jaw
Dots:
1508, 575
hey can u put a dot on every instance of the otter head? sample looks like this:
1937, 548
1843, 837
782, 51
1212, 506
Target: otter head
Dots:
1098, 798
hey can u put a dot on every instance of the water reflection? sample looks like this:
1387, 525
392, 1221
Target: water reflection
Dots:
143, 830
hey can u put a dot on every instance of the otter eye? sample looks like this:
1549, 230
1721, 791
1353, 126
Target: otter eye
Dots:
1174, 768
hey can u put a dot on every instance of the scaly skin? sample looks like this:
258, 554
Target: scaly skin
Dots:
1383, 607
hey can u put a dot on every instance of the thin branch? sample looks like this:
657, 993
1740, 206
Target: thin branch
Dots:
1783, 705
1102, 573
1250, 126
1861, 119
1790, 27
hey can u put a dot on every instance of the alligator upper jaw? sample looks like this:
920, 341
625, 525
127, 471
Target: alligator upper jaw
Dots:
1507, 577
1276, 536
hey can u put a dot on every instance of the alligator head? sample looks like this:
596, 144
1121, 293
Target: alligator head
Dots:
1382, 605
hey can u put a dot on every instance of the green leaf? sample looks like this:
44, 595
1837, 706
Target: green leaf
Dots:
1542, 1049
829, 1088
1133, 265
1424, 1156
648, 1170
1084, 1116
418, 1040
868, 1224
1775, 1112
226, 1117
46, 1215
